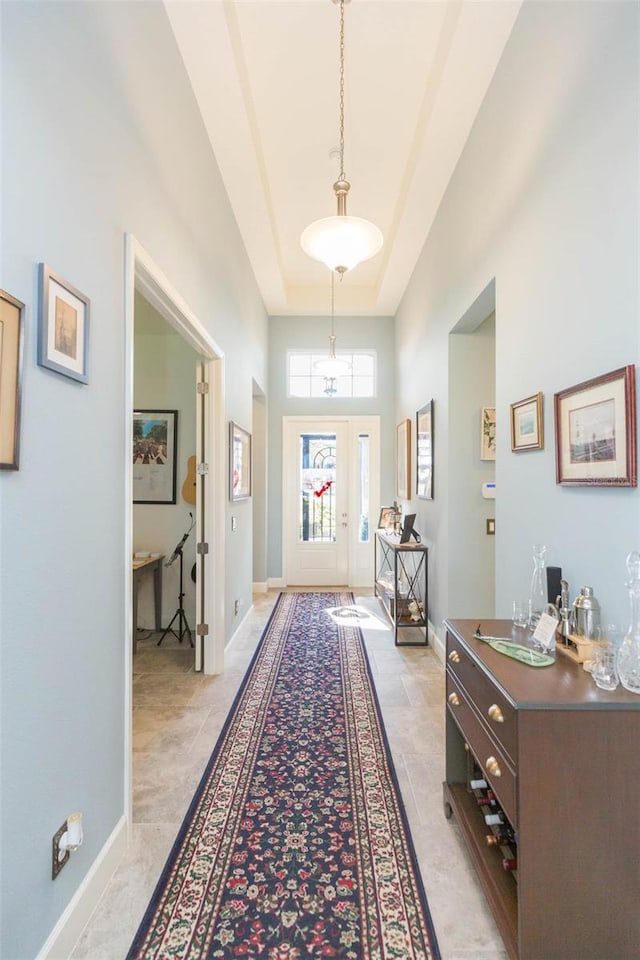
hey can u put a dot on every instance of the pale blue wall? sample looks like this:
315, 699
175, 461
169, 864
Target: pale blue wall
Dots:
100, 136
312, 333
545, 201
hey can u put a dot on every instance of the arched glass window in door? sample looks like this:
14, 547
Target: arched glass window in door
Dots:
317, 498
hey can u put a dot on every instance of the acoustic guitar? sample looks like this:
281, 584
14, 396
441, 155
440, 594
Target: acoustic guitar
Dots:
189, 485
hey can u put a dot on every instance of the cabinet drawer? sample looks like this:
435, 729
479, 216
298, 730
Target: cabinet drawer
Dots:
487, 751
493, 707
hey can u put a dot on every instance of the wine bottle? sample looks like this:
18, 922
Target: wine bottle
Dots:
486, 801
478, 784
494, 819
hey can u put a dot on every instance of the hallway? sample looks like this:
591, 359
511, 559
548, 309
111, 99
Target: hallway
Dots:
178, 715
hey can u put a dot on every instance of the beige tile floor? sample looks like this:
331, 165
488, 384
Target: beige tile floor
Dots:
177, 717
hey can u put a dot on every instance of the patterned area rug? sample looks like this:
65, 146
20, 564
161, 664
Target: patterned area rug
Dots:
296, 844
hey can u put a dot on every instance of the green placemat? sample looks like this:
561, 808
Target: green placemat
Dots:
532, 658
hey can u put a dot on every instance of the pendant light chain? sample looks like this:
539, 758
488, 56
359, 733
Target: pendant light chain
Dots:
342, 173
332, 338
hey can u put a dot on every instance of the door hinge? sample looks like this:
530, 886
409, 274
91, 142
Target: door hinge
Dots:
202, 630
202, 547
202, 387
202, 469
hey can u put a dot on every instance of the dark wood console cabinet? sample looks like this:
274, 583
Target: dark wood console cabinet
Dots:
563, 759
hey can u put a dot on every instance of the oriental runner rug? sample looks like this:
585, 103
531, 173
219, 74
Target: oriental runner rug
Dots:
296, 843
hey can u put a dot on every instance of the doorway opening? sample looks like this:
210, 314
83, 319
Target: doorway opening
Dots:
471, 519
145, 280
331, 471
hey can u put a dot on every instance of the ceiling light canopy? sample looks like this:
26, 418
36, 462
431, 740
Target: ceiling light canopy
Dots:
341, 242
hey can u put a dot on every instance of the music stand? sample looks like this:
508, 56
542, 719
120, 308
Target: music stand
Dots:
179, 615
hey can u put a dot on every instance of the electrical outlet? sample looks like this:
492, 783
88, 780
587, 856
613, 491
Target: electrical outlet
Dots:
236, 608
58, 862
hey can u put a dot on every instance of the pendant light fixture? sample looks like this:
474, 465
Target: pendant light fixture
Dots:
342, 241
332, 367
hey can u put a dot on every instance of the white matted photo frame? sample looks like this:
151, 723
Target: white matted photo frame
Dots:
403, 460
488, 433
596, 431
239, 462
63, 327
527, 424
424, 452
155, 445
11, 350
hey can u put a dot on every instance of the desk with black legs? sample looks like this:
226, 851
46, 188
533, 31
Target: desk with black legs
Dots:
142, 566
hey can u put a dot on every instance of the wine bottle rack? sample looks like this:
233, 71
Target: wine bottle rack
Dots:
535, 737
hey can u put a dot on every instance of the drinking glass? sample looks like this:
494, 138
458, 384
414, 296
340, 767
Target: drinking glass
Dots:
520, 613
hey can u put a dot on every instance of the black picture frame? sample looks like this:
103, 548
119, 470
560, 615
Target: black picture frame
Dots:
424, 452
155, 453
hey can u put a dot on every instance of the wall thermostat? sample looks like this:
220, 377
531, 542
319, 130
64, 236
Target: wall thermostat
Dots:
489, 491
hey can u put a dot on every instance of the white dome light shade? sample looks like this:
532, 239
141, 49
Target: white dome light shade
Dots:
341, 242
331, 366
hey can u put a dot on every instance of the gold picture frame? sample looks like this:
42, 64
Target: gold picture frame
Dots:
403, 460
527, 424
11, 352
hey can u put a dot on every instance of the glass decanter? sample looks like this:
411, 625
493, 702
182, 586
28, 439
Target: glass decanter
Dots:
538, 593
629, 652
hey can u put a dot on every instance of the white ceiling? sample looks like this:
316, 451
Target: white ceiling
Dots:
265, 75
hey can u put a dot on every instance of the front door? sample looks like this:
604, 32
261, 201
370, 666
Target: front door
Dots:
330, 495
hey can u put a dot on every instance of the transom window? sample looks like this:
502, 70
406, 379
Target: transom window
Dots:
304, 381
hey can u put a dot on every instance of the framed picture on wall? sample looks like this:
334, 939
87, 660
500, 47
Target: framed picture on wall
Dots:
155, 445
63, 327
403, 460
239, 463
596, 431
488, 433
424, 452
11, 346
527, 426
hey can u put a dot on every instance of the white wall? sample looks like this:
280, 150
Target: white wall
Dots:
100, 137
545, 201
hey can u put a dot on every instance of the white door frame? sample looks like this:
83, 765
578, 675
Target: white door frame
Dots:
143, 274
369, 422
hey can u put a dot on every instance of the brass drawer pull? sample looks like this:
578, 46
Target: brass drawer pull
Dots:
454, 656
454, 699
492, 766
495, 713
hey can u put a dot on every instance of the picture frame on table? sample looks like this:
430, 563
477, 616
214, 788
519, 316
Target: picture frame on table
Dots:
424, 452
11, 356
63, 327
155, 446
403, 460
527, 424
387, 518
595, 423
239, 462
488, 433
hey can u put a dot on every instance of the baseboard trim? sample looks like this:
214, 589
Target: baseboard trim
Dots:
276, 583
238, 628
260, 587
436, 644
64, 936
